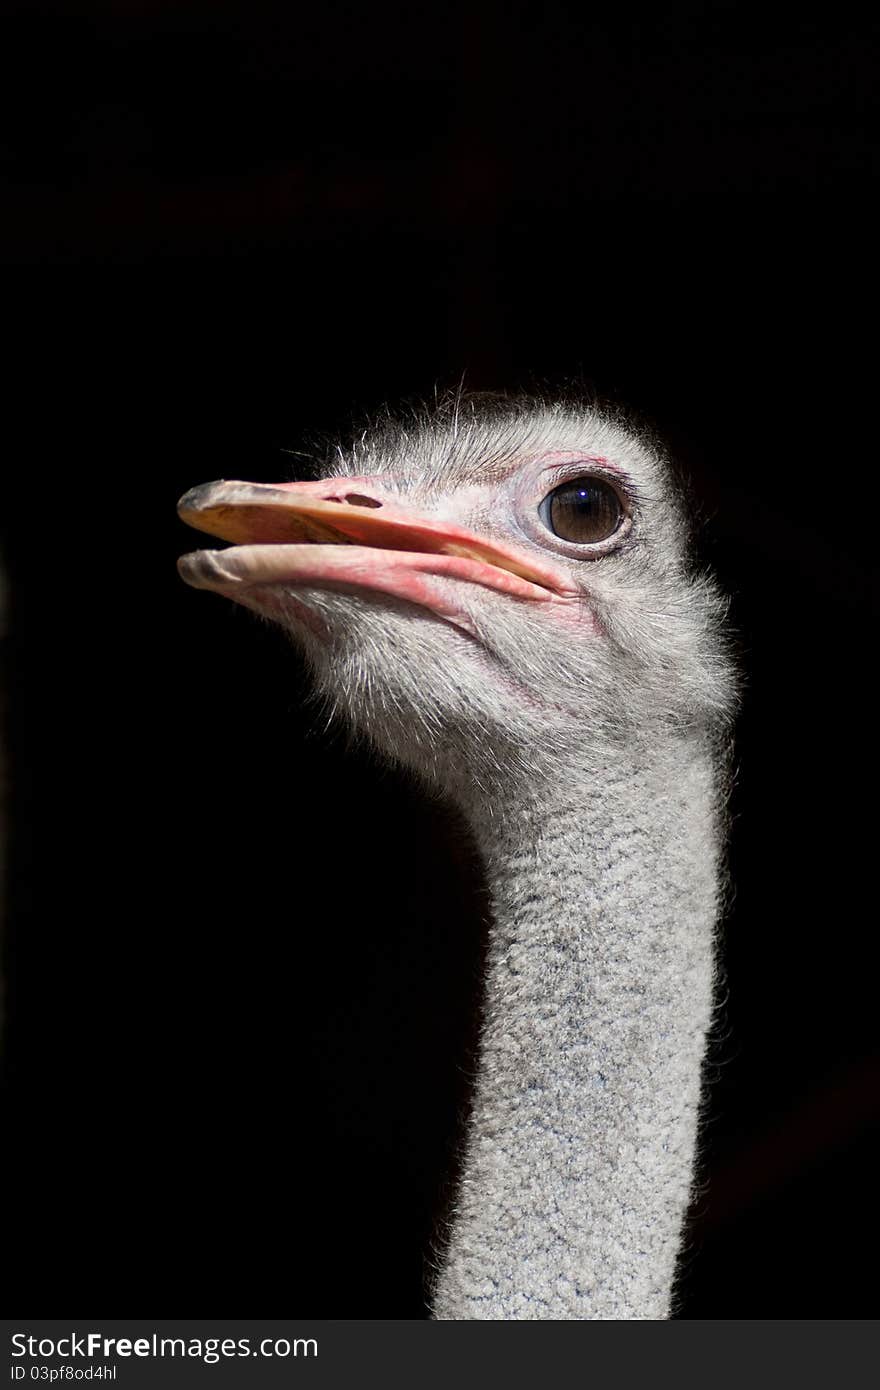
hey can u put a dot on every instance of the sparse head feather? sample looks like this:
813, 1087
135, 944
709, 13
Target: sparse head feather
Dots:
640, 650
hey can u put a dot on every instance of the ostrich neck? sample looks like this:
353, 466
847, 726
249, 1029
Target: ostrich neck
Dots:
580, 1148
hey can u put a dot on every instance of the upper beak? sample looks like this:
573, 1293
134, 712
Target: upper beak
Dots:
343, 533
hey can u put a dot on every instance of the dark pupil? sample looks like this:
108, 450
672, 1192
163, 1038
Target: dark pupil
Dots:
584, 511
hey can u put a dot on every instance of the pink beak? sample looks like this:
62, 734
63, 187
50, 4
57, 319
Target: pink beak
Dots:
341, 533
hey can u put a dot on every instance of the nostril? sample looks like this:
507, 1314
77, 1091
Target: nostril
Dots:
358, 500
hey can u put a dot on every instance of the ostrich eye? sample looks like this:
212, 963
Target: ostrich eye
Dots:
584, 510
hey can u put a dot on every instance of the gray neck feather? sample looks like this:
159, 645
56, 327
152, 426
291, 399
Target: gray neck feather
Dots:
579, 1154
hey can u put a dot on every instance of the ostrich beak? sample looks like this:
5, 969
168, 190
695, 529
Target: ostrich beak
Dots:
342, 534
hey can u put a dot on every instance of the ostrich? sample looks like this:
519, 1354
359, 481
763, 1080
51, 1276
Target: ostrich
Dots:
496, 593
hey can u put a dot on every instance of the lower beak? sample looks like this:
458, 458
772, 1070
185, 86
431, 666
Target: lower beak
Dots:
343, 534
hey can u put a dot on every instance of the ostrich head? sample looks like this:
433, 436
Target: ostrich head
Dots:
485, 589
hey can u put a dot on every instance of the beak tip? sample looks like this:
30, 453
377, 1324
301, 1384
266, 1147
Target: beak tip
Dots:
196, 500
204, 569
185, 568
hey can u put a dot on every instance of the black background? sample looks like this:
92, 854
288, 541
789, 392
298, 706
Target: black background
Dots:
242, 959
